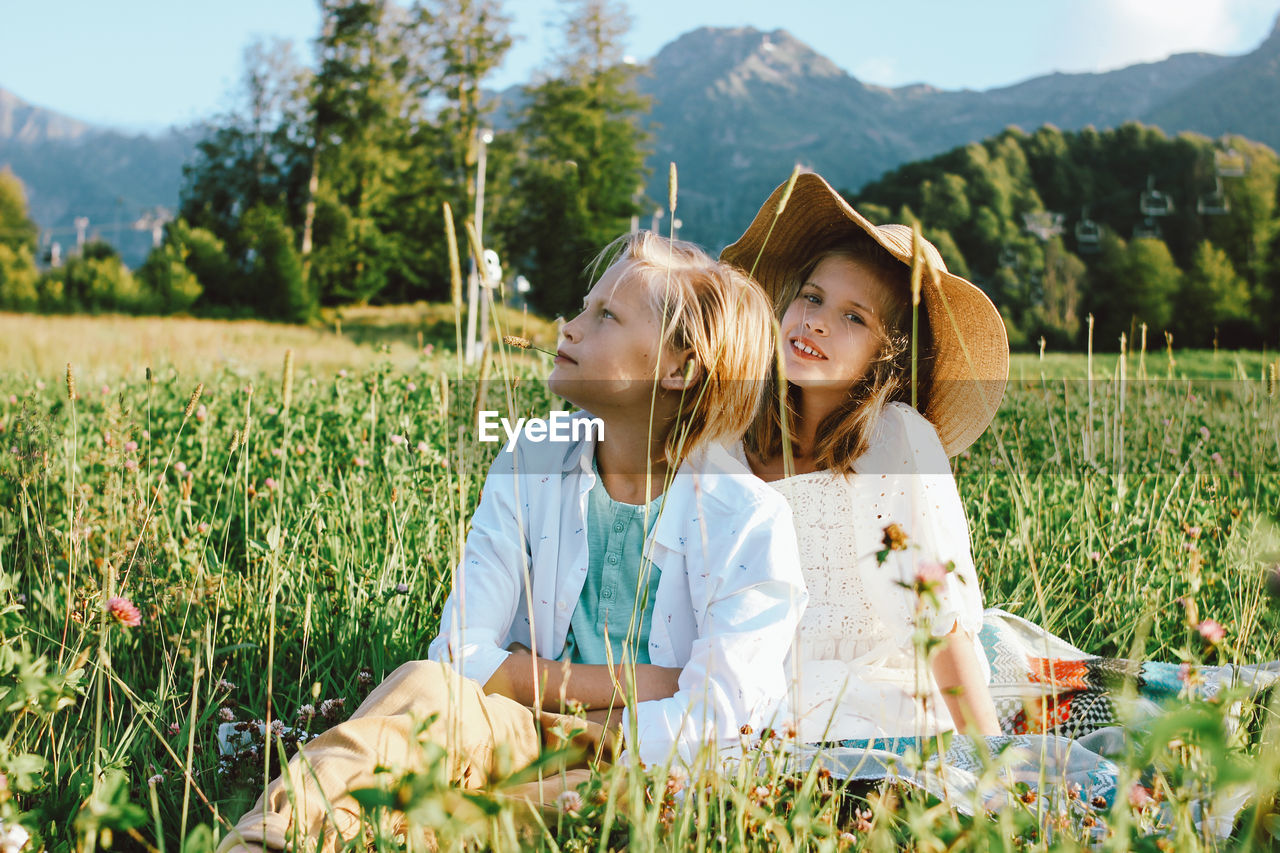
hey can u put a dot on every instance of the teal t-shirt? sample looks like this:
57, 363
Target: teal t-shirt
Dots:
616, 534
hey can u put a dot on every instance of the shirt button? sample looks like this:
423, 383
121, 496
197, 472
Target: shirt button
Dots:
618, 526
560, 605
608, 593
613, 559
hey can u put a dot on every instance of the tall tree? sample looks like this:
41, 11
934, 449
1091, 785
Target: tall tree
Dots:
577, 180
17, 244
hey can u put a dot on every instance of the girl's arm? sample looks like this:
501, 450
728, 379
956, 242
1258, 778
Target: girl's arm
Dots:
964, 686
594, 686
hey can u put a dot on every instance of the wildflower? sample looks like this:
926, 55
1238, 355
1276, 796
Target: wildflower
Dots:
361, 461
429, 349
174, 728
225, 686
330, 708
569, 802
226, 715
929, 573
13, 837
1216, 457
130, 464
1139, 796
1212, 631
677, 779
277, 452
306, 713
895, 538
180, 467
398, 440
156, 779
966, 455
39, 385
1191, 531
746, 730
123, 611
848, 838
272, 410
202, 413
411, 387
202, 528
1204, 433
1073, 790
863, 823
277, 728
423, 447
761, 792
13, 399
130, 446
402, 589
146, 435
1095, 556
364, 677
342, 374
270, 484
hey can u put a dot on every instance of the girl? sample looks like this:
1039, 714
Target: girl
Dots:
645, 560
884, 544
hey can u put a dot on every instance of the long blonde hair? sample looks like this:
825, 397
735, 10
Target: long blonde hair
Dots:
720, 313
845, 433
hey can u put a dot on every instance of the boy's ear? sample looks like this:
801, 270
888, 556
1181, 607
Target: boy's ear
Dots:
683, 374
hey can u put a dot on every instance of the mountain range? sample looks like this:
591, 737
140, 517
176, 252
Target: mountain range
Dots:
735, 108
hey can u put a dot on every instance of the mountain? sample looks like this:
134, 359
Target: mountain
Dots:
1243, 98
72, 169
735, 108
738, 108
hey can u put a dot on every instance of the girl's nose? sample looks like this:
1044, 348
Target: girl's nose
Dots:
815, 324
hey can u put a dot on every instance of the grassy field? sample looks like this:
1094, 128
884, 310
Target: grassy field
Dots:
287, 533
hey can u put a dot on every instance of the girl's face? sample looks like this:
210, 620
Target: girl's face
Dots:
834, 328
612, 351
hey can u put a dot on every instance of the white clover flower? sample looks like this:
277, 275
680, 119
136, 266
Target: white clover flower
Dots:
570, 802
13, 837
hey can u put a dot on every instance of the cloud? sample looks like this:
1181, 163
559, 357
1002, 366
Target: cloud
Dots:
1105, 34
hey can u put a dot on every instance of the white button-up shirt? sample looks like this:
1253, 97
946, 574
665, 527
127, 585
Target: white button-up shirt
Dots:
729, 597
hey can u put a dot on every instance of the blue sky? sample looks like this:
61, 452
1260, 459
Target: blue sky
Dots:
145, 64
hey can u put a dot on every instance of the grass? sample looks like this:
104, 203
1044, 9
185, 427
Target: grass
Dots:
287, 548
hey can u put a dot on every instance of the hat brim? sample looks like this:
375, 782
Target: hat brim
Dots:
970, 365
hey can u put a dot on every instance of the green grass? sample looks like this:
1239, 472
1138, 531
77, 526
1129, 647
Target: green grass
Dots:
271, 558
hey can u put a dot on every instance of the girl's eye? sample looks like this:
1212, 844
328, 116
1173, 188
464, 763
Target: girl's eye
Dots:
607, 314
856, 318
811, 297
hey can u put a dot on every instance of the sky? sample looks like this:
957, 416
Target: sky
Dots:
148, 64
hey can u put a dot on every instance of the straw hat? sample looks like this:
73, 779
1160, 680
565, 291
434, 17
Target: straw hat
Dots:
970, 364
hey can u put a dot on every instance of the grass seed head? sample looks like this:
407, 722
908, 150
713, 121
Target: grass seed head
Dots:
191, 403
71, 383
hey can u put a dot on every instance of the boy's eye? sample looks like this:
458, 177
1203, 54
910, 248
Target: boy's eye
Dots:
607, 314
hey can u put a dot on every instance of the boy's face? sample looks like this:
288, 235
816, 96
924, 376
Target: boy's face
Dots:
607, 361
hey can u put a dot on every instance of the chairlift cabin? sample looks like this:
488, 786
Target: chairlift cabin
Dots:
1153, 202
1213, 203
1229, 163
1147, 229
1088, 233
1045, 224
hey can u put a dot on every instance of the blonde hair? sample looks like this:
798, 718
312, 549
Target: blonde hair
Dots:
845, 433
720, 313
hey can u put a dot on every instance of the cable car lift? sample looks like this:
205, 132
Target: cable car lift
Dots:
1153, 202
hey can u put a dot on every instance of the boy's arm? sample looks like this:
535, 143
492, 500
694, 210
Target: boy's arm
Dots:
486, 585
594, 686
754, 593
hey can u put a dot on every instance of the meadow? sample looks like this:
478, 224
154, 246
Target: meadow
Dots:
284, 507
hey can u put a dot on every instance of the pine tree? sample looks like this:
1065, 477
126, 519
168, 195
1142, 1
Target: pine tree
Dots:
577, 179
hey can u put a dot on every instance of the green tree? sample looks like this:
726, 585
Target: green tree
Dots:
274, 273
1213, 299
576, 183
95, 280
18, 276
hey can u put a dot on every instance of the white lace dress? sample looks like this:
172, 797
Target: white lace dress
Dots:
854, 665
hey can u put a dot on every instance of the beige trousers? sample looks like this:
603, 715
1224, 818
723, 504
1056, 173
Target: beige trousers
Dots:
485, 737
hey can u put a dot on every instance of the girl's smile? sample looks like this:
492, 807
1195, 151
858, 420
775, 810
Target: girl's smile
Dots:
834, 327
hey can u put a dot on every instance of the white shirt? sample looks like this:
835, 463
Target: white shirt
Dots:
728, 600
855, 672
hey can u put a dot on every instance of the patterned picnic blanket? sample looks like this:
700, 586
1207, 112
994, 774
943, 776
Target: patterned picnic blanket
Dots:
1059, 709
